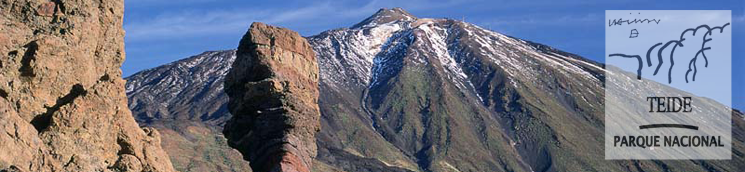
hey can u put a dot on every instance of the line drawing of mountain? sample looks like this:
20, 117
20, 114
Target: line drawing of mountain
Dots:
692, 67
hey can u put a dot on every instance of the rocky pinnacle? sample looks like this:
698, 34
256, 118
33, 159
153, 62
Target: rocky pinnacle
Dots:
273, 92
62, 100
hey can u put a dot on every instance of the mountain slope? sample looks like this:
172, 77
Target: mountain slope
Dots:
186, 102
430, 80
400, 93
192, 86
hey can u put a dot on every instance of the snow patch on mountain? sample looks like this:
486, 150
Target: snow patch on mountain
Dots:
352, 52
437, 38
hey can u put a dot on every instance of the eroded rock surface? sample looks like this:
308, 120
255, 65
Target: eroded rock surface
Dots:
62, 101
273, 91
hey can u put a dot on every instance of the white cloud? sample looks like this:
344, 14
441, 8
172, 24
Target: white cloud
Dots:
544, 20
191, 23
150, 3
198, 23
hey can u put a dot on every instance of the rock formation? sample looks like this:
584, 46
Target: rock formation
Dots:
62, 100
273, 95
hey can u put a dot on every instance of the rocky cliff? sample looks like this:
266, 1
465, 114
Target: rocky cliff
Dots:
62, 100
273, 95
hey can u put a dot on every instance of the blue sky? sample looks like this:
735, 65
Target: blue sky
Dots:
162, 31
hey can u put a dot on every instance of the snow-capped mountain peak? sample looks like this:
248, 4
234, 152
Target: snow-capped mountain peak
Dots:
383, 16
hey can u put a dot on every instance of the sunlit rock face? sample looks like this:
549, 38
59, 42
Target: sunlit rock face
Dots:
62, 101
273, 90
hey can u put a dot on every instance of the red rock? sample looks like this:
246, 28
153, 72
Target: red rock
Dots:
273, 90
46, 9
